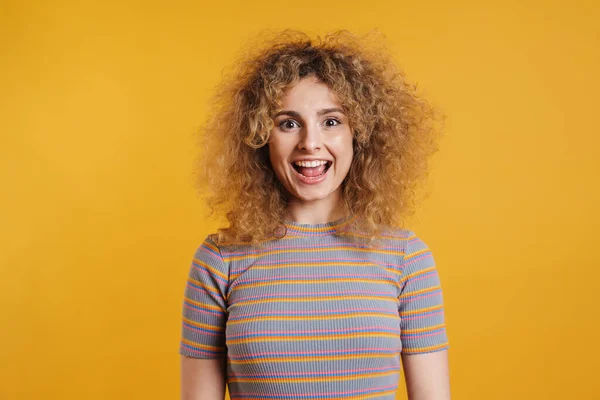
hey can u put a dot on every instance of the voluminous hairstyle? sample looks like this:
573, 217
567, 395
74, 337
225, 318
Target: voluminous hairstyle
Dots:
395, 132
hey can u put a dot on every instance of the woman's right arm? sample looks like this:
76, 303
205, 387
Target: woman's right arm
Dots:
203, 346
203, 378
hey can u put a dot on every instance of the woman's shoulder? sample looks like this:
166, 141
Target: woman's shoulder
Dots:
227, 248
406, 239
387, 234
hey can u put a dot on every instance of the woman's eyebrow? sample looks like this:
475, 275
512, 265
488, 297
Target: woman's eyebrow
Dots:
297, 115
287, 112
330, 110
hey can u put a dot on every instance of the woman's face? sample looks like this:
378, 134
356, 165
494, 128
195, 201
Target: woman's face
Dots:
310, 146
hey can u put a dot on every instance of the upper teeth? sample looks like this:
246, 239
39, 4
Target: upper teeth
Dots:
310, 163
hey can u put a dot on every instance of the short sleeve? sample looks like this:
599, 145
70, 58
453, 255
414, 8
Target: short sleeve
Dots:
421, 305
204, 305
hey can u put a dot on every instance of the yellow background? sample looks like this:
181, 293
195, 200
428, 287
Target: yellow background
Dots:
99, 219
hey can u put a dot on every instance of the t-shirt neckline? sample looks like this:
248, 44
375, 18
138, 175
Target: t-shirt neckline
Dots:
326, 228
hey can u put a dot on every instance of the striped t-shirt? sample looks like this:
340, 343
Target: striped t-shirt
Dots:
314, 314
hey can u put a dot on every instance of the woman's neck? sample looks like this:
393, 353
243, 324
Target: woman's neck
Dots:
318, 211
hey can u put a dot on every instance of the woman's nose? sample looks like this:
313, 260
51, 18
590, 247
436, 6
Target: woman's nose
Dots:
310, 139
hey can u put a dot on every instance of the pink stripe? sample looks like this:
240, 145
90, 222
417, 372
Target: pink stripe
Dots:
287, 312
291, 261
205, 272
411, 337
322, 260
362, 391
423, 316
421, 277
318, 352
300, 294
318, 276
209, 288
420, 296
200, 351
374, 328
304, 247
210, 253
203, 311
296, 232
191, 328
326, 372
284, 278
415, 259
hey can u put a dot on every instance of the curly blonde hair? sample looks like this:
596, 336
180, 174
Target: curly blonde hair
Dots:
395, 132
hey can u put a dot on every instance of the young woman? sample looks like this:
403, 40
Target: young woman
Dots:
315, 290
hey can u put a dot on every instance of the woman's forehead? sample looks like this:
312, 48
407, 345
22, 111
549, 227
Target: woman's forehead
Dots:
309, 92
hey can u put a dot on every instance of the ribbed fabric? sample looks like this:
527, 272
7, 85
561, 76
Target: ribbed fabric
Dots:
313, 315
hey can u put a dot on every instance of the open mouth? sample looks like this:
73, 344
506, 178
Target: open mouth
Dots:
310, 171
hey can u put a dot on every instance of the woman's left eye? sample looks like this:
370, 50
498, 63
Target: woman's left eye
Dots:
331, 122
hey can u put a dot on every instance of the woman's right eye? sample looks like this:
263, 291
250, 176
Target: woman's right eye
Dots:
288, 124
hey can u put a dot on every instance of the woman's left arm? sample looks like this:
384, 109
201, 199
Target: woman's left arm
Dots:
427, 375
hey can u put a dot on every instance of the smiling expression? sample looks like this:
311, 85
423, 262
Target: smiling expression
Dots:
310, 146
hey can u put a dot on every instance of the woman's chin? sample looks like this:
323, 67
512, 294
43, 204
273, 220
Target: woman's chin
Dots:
314, 194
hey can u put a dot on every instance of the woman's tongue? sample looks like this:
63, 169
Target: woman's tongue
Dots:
312, 171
